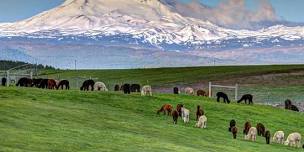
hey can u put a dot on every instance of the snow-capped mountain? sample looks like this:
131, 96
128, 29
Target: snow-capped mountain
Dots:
140, 24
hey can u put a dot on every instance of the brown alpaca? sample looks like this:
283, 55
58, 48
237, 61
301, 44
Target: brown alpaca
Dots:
201, 93
261, 129
231, 125
247, 126
51, 84
234, 131
165, 108
199, 112
175, 116
179, 109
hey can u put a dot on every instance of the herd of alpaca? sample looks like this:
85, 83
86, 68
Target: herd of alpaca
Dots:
251, 133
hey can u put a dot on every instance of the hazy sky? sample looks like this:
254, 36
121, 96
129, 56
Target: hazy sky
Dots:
13, 10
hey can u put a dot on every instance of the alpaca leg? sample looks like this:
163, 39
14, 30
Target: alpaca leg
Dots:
218, 99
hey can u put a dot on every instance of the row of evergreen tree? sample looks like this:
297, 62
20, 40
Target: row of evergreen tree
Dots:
5, 65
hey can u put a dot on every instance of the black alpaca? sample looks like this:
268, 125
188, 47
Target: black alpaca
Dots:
62, 84
135, 88
3, 82
175, 90
267, 136
126, 88
224, 96
36, 82
294, 108
87, 84
117, 87
44, 84
231, 125
246, 97
24, 82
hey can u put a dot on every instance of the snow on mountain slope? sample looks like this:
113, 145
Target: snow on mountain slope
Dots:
148, 20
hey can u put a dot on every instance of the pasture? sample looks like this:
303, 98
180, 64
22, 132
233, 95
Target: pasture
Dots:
62, 121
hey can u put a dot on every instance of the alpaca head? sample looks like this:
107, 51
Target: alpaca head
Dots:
286, 142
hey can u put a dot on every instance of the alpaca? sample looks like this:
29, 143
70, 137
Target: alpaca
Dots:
100, 86
175, 90
246, 97
52, 84
278, 137
44, 84
267, 136
202, 122
185, 114
293, 139
247, 126
199, 112
146, 91
201, 93
234, 131
175, 116
62, 84
261, 129
135, 88
179, 109
87, 85
126, 88
37, 82
166, 108
224, 96
294, 108
251, 134
288, 104
189, 91
3, 81
117, 87
231, 125
24, 82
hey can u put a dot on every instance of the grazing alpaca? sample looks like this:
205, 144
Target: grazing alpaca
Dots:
166, 108
293, 139
234, 131
37, 82
224, 96
52, 84
261, 129
87, 85
294, 108
146, 91
117, 87
267, 136
126, 88
3, 82
44, 84
246, 97
251, 134
100, 86
199, 112
247, 126
201, 93
175, 90
135, 88
202, 122
24, 82
62, 84
189, 91
278, 137
231, 125
185, 115
175, 116
179, 109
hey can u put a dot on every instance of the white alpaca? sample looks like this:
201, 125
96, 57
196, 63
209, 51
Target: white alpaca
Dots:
185, 114
146, 91
278, 137
189, 91
100, 86
293, 139
251, 134
202, 122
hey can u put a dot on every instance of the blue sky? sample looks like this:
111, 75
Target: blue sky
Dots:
13, 10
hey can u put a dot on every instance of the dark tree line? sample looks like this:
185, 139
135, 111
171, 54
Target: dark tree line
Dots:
5, 65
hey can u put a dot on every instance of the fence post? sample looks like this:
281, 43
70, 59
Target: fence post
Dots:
236, 91
8, 79
31, 75
210, 89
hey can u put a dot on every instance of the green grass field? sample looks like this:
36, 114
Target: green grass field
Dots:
69, 121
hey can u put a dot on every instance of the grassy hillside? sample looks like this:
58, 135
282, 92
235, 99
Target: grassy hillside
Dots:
62, 121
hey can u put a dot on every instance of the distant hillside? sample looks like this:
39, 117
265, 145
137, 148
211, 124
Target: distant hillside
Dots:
5, 65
